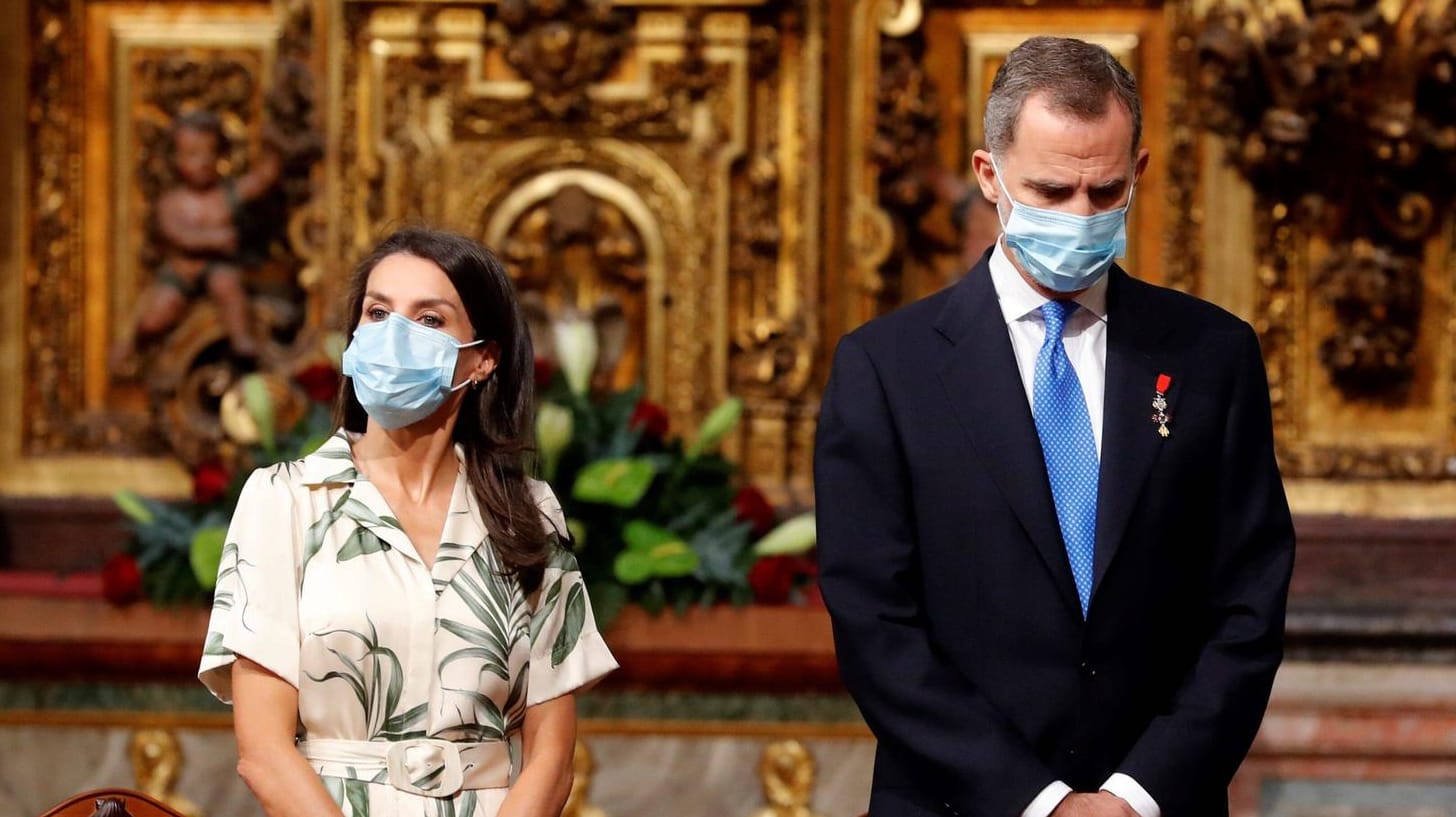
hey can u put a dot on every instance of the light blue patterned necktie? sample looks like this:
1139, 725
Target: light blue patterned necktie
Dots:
1060, 409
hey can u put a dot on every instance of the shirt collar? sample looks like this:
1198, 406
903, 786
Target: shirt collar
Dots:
332, 462
1018, 300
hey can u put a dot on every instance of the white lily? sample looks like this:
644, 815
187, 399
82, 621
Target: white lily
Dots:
576, 351
554, 425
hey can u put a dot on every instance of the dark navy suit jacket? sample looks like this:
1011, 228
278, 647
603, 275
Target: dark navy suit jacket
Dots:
956, 618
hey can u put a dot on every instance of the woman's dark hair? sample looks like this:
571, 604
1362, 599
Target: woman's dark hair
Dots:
496, 422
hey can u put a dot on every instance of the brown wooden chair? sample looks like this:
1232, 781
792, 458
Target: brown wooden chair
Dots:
112, 802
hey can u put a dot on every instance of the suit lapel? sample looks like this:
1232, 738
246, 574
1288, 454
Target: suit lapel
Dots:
983, 384
1136, 356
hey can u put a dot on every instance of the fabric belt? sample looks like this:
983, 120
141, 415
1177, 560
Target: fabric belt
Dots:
424, 766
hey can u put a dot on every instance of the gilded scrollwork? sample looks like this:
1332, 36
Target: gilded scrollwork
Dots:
51, 370
907, 123
156, 764
786, 773
1181, 268
1343, 116
563, 47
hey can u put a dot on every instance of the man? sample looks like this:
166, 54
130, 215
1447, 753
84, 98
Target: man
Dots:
1053, 538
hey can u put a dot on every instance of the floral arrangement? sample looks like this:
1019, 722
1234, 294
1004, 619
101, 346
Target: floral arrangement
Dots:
175, 548
654, 519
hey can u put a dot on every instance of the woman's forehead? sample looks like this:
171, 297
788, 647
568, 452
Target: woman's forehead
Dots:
403, 277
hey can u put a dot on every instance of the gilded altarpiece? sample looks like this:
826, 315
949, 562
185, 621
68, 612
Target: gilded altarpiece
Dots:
740, 182
658, 162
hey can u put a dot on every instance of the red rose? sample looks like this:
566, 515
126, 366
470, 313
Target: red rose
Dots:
753, 507
209, 482
649, 417
320, 382
773, 578
121, 580
544, 371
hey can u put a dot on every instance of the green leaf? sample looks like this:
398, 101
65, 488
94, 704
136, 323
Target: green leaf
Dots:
719, 546
543, 609
491, 658
260, 404
133, 506
357, 791
574, 619
205, 555
407, 720
621, 482
632, 567
639, 534
671, 560
349, 474
716, 426
313, 539
214, 645
361, 542
361, 513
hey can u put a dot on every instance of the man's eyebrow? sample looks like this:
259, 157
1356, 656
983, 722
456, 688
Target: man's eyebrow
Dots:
1111, 185
1046, 186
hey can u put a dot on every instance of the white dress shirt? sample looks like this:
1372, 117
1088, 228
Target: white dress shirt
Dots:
1085, 339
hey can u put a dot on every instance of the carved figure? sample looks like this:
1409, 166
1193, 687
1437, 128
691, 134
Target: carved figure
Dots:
787, 774
198, 225
156, 762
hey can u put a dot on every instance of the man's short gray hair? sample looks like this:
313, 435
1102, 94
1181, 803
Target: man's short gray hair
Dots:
1077, 77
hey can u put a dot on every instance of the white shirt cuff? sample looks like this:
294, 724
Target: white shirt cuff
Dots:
1049, 799
1134, 794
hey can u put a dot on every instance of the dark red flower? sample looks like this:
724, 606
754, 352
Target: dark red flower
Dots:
210, 482
649, 417
754, 508
320, 382
544, 371
121, 580
773, 578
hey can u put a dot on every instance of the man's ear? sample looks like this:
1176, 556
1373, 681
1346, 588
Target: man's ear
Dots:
985, 174
1140, 165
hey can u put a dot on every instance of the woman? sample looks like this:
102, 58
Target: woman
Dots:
398, 600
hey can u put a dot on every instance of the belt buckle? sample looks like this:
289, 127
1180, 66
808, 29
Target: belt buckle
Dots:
426, 766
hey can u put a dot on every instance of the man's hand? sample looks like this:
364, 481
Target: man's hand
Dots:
1101, 804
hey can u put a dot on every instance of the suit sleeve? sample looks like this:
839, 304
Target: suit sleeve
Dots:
1191, 752
918, 706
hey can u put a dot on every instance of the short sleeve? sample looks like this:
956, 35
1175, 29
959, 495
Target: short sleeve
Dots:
255, 603
567, 652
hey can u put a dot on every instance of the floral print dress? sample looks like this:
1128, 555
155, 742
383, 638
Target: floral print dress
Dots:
413, 682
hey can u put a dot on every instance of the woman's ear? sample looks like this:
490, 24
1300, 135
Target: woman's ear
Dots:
489, 360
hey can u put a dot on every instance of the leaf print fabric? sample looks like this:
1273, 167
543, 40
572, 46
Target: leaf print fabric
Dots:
319, 584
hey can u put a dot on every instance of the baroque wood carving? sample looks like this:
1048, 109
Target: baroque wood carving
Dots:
1344, 121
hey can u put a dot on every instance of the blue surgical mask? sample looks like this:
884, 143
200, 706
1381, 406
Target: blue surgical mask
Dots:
402, 371
1064, 252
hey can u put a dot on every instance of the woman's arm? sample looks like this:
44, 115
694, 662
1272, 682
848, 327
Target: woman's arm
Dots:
265, 715
549, 735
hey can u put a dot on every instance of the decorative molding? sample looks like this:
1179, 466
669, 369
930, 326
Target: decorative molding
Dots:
51, 373
1182, 268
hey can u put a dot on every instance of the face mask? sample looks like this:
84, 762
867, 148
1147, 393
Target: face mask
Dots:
1064, 252
402, 371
